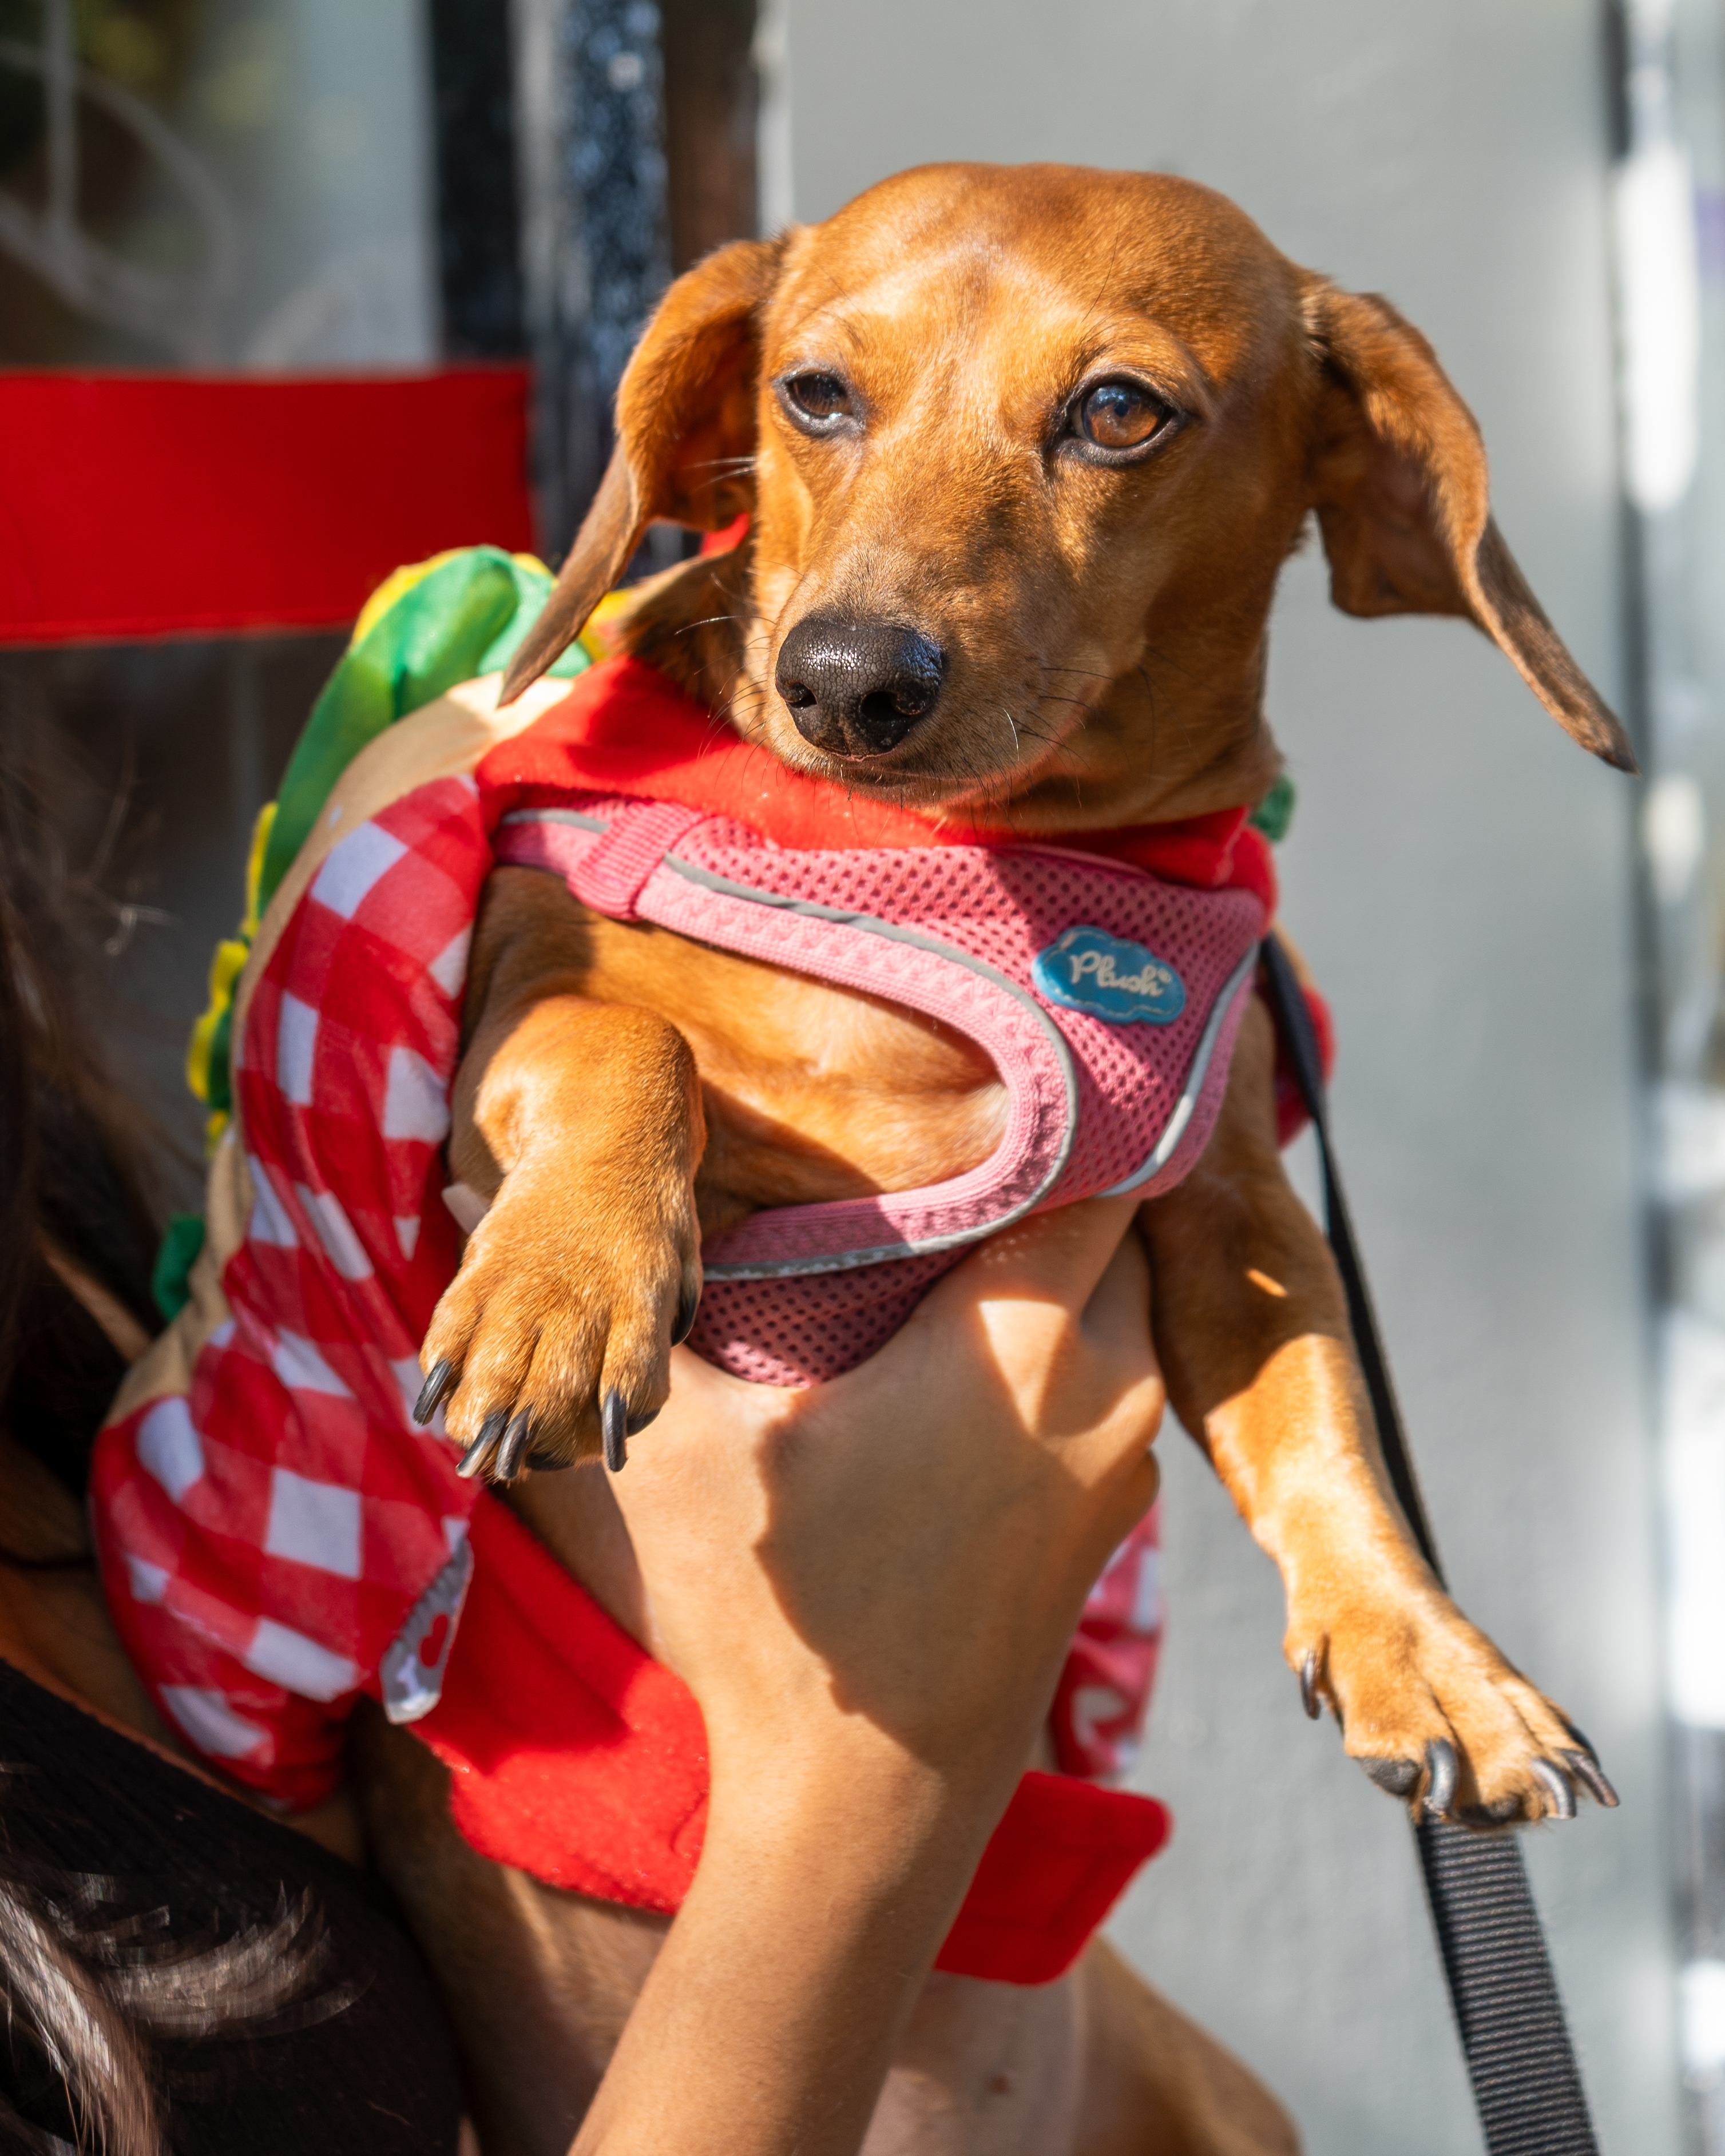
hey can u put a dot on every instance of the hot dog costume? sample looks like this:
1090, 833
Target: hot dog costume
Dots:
277, 1537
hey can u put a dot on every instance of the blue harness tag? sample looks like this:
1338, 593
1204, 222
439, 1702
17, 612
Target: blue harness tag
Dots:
1087, 970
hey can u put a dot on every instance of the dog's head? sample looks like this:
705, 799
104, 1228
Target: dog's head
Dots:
1025, 451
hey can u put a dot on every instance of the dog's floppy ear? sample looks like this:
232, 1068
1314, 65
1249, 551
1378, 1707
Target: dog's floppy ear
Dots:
1399, 484
686, 433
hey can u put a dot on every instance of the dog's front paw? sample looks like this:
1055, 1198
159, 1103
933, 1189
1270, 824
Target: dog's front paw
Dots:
1436, 1715
553, 1341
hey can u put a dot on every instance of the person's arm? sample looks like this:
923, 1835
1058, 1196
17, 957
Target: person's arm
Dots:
870, 1587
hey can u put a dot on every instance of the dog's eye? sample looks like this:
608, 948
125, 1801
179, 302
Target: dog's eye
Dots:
1120, 415
817, 399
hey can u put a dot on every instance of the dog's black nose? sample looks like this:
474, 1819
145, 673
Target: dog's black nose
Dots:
857, 688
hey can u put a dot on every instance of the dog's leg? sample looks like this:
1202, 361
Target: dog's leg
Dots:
1097, 2064
984, 2070
1252, 1326
538, 1984
581, 1123
1153, 2080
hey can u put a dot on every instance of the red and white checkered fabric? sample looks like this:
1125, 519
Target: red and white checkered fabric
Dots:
265, 1536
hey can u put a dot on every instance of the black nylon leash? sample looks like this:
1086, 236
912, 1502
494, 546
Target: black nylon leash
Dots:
1516, 2041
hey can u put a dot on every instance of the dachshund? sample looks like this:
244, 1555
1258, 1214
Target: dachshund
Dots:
1022, 451
995, 429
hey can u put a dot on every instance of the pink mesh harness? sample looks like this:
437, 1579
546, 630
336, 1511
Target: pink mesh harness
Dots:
799, 1293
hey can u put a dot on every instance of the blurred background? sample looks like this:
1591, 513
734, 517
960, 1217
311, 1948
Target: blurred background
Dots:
1523, 950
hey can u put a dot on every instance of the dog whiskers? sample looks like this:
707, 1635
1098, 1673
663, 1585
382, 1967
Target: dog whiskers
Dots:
1088, 673
1172, 665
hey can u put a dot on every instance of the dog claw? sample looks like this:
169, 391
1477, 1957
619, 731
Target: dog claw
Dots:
508, 1463
687, 1311
614, 1425
490, 1430
1588, 1771
1558, 1787
439, 1383
1308, 1688
1441, 1774
1396, 1776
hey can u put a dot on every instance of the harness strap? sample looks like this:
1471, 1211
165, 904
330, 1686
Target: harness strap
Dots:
1520, 2059
612, 874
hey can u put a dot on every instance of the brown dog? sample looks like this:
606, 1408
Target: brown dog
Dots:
1052, 427
1024, 451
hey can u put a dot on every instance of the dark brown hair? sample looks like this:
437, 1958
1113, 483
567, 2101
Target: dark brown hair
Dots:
72, 1154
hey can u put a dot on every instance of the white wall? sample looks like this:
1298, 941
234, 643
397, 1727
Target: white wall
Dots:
1459, 874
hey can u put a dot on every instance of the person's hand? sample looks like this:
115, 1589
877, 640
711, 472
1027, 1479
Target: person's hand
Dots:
870, 1587
906, 1550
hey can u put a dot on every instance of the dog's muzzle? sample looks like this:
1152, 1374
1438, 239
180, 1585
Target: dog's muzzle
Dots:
856, 689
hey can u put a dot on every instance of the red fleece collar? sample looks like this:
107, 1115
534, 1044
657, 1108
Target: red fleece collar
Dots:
625, 729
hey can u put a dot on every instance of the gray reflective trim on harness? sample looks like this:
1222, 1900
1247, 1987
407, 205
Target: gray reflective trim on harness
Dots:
1510, 2017
1166, 1146
555, 816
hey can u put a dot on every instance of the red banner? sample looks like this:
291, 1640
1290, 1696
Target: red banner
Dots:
143, 505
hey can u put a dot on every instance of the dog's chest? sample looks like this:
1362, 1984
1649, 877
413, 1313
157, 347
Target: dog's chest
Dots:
813, 1092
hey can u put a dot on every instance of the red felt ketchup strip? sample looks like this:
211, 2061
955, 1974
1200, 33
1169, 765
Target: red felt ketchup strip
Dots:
588, 1769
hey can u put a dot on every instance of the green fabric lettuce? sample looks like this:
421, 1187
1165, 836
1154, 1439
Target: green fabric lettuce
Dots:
425, 628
